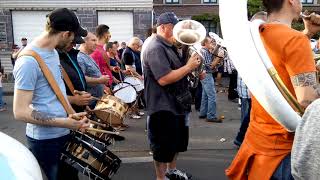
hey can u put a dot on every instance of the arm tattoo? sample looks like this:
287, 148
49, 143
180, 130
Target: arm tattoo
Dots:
40, 116
305, 79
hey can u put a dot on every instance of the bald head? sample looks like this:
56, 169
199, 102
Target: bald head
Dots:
89, 45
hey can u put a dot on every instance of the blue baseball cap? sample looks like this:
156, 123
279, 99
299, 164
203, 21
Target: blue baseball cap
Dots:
167, 18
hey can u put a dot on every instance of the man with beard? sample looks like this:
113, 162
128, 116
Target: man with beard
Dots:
266, 150
100, 55
35, 102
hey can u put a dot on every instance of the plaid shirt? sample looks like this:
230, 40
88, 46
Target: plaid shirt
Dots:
242, 88
208, 58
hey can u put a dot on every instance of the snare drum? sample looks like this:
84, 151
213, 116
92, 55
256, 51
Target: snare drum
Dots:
90, 157
111, 110
126, 92
135, 82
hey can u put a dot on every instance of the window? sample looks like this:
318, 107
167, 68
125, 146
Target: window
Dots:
172, 1
3, 32
209, 1
307, 1
210, 26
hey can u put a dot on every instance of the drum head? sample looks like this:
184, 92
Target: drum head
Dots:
125, 92
135, 82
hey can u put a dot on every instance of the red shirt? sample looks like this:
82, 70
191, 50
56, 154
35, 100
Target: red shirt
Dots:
101, 58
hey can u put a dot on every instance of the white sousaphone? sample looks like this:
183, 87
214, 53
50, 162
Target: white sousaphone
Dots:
252, 62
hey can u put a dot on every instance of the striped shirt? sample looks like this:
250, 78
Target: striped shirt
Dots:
242, 89
208, 58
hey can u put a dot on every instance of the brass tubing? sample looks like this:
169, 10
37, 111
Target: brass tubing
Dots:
285, 92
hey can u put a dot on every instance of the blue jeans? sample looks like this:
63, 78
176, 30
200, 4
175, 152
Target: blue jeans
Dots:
245, 119
283, 171
208, 100
48, 153
1, 96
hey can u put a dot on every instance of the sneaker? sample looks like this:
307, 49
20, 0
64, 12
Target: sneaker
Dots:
178, 175
140, 113
2, 109
135, 117
202, 117
118, 138
215, 120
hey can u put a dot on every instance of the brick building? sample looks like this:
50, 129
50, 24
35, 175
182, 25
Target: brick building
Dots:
126, 18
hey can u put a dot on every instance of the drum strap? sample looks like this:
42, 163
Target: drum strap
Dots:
52, 82
67, 81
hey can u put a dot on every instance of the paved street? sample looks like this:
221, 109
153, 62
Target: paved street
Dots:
206, 158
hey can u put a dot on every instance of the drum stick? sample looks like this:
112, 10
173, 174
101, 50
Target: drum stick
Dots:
98, 99
102, 131
99, 124
100, 109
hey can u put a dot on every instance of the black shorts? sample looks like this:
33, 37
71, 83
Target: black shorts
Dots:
168, 135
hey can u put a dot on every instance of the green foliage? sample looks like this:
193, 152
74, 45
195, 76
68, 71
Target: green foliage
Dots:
206, 17
254, 6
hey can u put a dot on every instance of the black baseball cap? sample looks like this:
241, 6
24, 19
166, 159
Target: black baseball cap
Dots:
166, 18
63, 19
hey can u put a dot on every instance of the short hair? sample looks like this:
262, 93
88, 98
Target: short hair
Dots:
135, 40
109, 45
115, 42
273, 5
101, 29
206, 39
123, 43
51, 31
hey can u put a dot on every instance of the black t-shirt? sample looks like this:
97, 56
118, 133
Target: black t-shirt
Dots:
160, 58
127, 57
132, 58
70, 64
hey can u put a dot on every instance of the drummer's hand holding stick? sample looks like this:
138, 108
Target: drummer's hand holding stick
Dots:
81, 98
311, 24
104, 79
78, 121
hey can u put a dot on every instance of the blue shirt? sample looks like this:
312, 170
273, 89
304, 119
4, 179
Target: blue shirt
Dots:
28, 76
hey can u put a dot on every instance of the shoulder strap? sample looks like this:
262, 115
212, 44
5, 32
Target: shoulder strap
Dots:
67, 80
52, 82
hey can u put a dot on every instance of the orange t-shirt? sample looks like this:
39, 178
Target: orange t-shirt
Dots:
291, 54
267, 142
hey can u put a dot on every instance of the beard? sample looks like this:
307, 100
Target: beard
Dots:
63, 45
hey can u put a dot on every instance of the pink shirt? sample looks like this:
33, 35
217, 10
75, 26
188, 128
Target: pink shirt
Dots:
101, 58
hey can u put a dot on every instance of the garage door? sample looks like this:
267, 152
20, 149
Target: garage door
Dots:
120, 23
27, 24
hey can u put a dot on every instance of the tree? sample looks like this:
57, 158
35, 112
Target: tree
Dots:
254, 6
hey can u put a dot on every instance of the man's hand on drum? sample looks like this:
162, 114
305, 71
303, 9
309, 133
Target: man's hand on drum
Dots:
311, 24
104, 79
194, 61
81, 98
78, 121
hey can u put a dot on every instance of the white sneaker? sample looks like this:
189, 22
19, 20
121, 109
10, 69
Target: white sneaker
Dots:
140, 113
135, 117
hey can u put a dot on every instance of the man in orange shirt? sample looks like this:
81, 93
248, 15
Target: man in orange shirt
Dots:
265, 152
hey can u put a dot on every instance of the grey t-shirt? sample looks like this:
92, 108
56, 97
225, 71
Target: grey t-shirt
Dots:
159, 58
91, 69
305, 156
